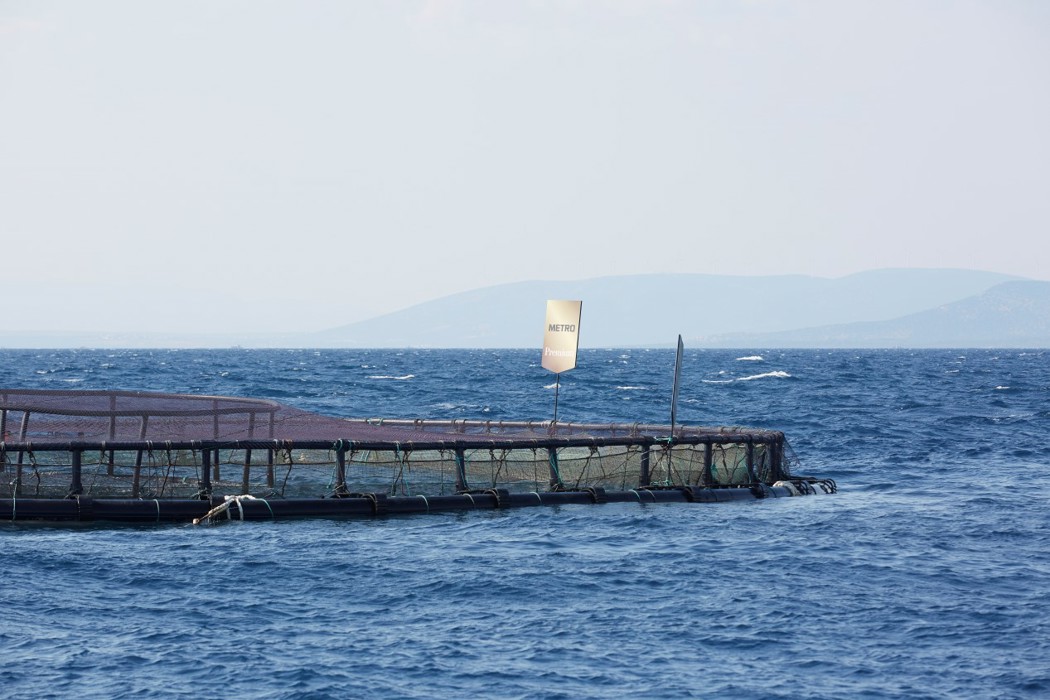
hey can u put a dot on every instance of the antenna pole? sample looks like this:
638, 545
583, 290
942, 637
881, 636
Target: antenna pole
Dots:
677, 383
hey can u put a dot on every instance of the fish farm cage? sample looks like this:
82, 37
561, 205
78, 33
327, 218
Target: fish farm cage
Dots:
155, 457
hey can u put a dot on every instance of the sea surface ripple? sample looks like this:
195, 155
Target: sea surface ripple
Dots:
926, 576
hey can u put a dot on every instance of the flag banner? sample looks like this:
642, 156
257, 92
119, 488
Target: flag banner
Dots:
561, 338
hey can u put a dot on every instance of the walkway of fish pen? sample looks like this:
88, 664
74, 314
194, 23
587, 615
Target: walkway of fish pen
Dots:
151, 457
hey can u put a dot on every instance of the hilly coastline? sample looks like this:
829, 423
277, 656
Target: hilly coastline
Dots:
888, 308
880, 308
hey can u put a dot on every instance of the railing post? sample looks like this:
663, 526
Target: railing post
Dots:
246, 475
461, 470
777, 448
751, 460
22, 432
137, 474
112, 432
644, 478
555, 476
205, 486
3, 438
76, 487
708, 458
270, 477
340, 473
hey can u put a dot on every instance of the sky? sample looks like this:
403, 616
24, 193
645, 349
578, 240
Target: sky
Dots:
221, 165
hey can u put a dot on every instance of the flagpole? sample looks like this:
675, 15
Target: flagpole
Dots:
557, 386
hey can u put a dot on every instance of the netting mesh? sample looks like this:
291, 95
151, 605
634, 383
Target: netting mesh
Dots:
136, 445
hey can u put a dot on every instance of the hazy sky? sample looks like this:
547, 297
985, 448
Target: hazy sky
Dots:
293, 166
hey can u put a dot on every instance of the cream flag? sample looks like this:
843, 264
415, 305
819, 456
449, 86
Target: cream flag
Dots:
561, 338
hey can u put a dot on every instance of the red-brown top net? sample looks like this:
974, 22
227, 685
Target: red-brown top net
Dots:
96, 418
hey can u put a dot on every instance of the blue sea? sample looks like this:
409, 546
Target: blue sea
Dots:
926, 576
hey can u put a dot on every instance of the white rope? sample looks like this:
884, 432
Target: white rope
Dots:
224, 507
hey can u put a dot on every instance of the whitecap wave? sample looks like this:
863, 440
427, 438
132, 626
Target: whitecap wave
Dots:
390, 376
751, 358
777, 374
630, 388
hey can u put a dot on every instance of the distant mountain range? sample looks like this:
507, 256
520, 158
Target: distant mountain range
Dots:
1009, 315
880, 308
918, 308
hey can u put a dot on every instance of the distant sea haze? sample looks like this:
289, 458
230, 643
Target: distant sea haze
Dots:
893, 308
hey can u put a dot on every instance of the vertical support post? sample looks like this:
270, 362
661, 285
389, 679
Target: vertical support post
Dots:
461, 471
205, 487
215, 434
3, 437
23, 431
270, 478
670, 461
777, 455
644, 478
555, 477
708, 458
76, 486
112, 431
751, 461
246, 473
137, 473
340, 471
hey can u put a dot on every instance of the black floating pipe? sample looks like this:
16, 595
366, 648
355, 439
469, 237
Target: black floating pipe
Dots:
354, 505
